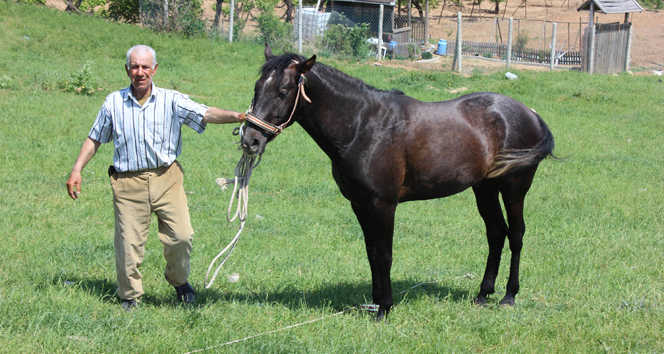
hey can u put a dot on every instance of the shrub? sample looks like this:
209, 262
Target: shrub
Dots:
273, 31
123, 11
413, 51
427, 55
84, 81
347, 41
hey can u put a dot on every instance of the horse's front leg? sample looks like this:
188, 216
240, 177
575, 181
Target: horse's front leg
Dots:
377, 222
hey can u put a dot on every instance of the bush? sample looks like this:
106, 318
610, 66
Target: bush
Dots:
123, 11
427, 55
273, 31
84, 81
347, 41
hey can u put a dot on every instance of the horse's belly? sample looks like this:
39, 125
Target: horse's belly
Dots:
423, 192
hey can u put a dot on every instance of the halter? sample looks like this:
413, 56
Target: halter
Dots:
274, 129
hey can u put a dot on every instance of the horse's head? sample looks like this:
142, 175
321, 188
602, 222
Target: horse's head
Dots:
276, 94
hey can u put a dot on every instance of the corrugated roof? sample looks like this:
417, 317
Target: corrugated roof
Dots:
612, 6
377, 2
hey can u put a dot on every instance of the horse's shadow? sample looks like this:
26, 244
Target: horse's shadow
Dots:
334, 295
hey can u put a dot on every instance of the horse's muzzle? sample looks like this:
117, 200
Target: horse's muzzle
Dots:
253, 142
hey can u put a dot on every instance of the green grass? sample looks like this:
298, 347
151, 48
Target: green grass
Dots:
592, 265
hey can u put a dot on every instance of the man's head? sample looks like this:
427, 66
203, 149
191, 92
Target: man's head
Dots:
141, 66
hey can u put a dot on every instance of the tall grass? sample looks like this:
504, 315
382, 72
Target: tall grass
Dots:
592, 278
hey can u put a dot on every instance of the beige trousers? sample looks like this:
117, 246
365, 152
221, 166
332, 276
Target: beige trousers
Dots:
136, 195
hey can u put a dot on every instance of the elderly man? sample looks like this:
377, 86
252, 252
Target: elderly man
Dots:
144, 122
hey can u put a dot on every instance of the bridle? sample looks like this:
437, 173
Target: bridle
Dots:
277, 129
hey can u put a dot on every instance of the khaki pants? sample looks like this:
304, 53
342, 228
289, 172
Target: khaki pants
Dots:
136, 195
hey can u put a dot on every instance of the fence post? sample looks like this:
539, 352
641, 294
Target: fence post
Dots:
591, 45
299, 26
380, 32
230, 23
553, 46
456, 62
629, 47
166, 15
509, 43
426, 26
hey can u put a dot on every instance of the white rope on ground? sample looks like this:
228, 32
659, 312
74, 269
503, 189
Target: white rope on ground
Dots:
300, 324
240, 191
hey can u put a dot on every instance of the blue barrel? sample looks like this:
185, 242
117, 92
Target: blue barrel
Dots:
442, 47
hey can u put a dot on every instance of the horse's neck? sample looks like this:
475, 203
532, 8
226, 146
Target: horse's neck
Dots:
332, 118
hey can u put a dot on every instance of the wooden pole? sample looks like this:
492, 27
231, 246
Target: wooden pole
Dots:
426, 25
591, 45
553, 47
299, 26
230, 22
629, 47
380, 32
509, 43
456, 62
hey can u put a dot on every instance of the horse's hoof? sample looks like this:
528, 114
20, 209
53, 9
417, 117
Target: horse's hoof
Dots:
480, 301
507, 302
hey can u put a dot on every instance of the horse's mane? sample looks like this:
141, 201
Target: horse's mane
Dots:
279, 63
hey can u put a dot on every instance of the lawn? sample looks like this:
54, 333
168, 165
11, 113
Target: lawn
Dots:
592, 273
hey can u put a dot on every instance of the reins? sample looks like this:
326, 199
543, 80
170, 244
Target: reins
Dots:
243, 171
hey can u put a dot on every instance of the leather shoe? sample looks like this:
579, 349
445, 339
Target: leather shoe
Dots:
186, 293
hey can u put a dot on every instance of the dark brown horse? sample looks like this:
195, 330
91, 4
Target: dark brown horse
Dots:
387, 148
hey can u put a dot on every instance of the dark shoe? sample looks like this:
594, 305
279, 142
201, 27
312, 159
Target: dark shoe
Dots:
129, 305
186, 293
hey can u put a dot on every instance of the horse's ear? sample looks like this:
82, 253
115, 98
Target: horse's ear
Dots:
268, 51
307, 65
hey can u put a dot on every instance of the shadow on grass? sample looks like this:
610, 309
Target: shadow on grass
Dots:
338, 296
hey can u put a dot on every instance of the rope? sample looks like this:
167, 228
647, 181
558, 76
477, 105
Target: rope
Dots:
240, 191
300, 324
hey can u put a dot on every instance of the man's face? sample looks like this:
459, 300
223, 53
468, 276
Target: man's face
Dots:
140, 71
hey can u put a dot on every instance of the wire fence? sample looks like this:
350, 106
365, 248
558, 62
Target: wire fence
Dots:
380, 30
353, 30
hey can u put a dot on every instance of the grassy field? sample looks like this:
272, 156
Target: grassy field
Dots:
592, 265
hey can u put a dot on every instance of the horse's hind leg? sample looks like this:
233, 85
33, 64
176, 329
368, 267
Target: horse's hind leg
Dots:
488, 204
513, 189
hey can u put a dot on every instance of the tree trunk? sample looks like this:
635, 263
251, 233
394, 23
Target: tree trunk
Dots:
217, 15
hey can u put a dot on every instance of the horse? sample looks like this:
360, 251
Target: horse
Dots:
387, 148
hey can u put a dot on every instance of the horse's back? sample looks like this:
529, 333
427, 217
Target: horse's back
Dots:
452, 145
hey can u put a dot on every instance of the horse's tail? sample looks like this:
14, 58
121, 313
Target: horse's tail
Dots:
509, 160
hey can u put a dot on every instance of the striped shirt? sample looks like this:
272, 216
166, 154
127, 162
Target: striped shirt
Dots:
150, 136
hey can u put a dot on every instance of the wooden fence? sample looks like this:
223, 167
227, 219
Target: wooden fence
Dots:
611, 43
525, 55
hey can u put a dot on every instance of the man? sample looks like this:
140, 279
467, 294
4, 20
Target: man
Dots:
144, 122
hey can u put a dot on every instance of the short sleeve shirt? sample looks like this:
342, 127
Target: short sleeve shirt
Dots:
149, 136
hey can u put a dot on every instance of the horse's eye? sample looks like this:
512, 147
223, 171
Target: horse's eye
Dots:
283, 94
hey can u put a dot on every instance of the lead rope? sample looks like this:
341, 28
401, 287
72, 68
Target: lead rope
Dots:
243, 171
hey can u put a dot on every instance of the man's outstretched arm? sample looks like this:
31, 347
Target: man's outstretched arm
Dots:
221, 116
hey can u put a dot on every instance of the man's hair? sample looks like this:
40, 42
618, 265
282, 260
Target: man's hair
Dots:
141, 48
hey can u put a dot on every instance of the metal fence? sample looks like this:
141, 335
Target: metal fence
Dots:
354, 31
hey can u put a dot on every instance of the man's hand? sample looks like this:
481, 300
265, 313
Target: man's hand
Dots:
88, 150
74, 184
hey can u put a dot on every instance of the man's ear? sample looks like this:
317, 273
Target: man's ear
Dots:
268, 51
307, 65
